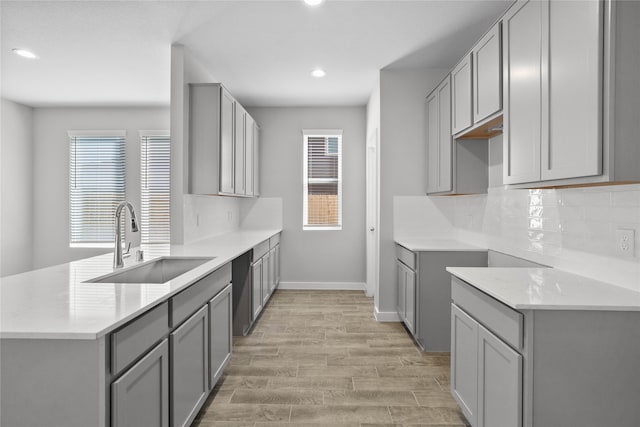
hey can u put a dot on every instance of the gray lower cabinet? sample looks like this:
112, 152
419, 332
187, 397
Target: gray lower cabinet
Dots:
265, 274
189, 368
500, 373
486, 374
256, 288
424, 292
266, 283
140, 397
220, 334
542, 367
407, 296
464, 362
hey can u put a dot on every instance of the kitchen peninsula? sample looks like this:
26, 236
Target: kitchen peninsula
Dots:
71, 350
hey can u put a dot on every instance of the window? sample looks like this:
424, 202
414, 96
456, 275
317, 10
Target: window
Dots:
322, 197
96, 185
155, 185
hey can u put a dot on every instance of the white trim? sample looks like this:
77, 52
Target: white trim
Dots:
149, 133
328, 286
386, 316
321, 132
81, 133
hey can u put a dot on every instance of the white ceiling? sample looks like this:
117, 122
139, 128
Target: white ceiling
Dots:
118, 52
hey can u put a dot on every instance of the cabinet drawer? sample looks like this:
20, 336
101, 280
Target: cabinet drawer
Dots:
497, 317
131, 341
260, 250
273, 241
195, 296
407, 257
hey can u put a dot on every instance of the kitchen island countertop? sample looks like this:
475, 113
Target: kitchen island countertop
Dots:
57, 303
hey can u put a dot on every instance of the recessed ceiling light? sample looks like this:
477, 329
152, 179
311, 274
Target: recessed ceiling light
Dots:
318, 72
313, 2
24, 53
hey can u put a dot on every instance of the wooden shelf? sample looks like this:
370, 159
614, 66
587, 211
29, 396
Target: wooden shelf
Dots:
484, 131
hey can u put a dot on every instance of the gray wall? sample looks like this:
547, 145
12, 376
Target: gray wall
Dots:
16, 181
320, 257
402, 158
51, 171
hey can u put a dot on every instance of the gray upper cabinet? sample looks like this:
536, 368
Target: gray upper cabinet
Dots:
249, 127
461, 95
256, 157
487, 75
572, 89
439, 141
222, 157
189, 368
522, 26
240, 152
227, 152
140, 397
566, 96
553, 126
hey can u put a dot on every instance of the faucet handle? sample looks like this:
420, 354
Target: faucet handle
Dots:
128, 249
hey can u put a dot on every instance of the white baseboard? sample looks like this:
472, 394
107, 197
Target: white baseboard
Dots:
386, 316
324, 286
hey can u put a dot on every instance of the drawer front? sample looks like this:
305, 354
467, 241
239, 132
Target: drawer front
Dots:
260, 250
273, 241
406, 256
198, 294
134, 339
503, 321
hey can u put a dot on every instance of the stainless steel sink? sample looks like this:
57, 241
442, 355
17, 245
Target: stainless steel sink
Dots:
159, 270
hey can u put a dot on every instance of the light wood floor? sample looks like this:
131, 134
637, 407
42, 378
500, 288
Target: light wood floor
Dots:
319, 358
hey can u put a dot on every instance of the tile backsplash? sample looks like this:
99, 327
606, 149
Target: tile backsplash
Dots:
572, 229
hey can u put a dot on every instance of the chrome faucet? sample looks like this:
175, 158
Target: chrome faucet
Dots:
117, 254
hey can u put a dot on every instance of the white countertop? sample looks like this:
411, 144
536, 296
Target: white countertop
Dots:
425, 244
54, 302
548, 289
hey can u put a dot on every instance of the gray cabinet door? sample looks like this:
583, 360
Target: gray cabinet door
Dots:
499, 382
256, 288
572, 121
401, 288
256, 159
220, 334
410, 299
487, 75
227, 124
266, 267
140, 397
239, 150
461, 95
190, 363
433, 131
521, 29
248, 154
276, 263
272, 270
464, 362
439, 142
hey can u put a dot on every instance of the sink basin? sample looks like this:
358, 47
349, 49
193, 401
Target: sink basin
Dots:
159, 270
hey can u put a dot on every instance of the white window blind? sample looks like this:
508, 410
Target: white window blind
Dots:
96, 185
322, 180
155, 187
